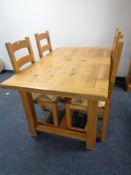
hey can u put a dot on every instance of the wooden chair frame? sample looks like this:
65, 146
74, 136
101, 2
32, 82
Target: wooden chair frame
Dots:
128, 78
115, 58
12, 48
115, 63
43, 48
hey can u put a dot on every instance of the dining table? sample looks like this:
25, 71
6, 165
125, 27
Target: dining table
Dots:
67, 72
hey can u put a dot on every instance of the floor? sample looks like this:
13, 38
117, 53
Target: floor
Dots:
21, 154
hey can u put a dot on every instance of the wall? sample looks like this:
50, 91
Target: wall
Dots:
70, 22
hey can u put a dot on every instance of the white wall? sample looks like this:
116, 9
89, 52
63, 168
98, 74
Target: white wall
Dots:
70, 22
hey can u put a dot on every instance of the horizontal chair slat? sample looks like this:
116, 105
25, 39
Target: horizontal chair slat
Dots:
19, 45
24, 60
44, 48
42, 36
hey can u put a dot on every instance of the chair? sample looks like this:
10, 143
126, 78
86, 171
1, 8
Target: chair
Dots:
128, 78
16, 46
80, 104
12, 48
115, 62
42, 48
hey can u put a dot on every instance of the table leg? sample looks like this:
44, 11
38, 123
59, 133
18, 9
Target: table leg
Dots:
29, 112
92, 124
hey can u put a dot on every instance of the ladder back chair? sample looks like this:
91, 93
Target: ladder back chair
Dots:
16, 46
80, 104
42, 48
115, 62
128, 78
41, 99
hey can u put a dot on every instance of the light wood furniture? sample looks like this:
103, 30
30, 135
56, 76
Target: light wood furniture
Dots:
128, 78
114, 67
67, 72
116, 38
12, 48
42, 99
103, 105
42, 48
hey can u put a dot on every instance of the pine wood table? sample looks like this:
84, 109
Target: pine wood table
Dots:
67, 72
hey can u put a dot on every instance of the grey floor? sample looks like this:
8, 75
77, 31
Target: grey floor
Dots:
21, 154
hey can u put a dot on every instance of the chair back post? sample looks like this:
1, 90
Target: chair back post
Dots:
38, 45
12, 57
118, 35
115, 38
49, 41
129, 70
30, 49
115, 47
116, 60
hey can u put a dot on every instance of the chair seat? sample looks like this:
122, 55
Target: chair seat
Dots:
43, 97
35, 95
84, 102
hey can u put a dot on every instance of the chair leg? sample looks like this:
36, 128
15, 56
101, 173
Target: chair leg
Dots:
55, 114
105, 121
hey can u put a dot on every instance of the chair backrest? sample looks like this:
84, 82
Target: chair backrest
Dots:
129, 70
46, 47
117, 36
116, 59
16, 46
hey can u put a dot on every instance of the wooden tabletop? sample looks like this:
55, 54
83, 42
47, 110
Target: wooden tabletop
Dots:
68, 72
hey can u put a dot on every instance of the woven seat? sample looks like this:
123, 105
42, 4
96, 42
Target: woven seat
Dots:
84, 102
35, 95
43, 97
47, 98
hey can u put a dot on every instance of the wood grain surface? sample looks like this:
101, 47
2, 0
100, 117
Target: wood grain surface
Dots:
68, 72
